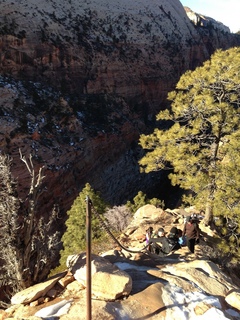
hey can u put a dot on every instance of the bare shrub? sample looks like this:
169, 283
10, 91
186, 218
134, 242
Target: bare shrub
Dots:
118, 217
27, 245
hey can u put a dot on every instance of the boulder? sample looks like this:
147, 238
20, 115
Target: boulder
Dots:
148, 213
146, 303
119, 283
34, 292
233, 299
74, 290
213, 271
208, 282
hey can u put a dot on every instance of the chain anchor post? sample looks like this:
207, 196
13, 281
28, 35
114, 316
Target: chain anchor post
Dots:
88, 259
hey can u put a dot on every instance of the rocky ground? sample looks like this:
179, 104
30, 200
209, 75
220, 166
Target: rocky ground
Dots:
132, 283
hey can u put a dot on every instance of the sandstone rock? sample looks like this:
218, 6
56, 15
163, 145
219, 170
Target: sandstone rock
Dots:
233, 299
213, 313
130, 230
127, 254
174, 280
34, 303
74, 290
210, 268
21, 312
111, 285
148, 213
3, 315
44, 300
113, 255
161, 288
66, 280
33, 293
208, 284
201, 308
92, 72
52, 293
119, 283
100, 310
200, 20
148, 302
124, 237
155, 300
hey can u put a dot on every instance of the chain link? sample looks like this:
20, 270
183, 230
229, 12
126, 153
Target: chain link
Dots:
111, 235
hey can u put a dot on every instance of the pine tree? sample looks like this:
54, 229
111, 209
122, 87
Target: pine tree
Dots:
199, 141
138, 201
74, 239
141, 200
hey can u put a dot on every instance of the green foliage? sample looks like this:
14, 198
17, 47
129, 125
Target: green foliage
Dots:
141, 200
201, 143
157, 203
74, 239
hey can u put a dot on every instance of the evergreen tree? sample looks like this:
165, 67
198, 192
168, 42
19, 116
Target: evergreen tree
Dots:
138, 201
141, 200
74, 239
199, 141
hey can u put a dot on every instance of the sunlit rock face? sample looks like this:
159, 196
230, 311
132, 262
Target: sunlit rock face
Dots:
132, 283
204, 21
81, 80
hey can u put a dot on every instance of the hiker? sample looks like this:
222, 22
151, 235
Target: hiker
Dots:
149, 234
159, 245
163, 245
192, 232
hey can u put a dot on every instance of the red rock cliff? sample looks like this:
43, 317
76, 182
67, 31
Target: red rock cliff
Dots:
81, 80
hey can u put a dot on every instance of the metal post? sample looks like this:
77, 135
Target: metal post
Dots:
88, 259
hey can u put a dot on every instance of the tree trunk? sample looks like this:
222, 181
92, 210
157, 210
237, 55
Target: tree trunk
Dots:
208, 214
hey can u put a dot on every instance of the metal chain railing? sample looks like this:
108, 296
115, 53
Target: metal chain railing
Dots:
111, 235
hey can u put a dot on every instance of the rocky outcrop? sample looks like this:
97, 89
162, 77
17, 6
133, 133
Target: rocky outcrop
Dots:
155, 295
157, 288
35, 292
102, 272
207, 22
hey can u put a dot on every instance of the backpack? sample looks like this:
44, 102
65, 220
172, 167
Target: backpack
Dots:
173, 233
173, 239
182, 241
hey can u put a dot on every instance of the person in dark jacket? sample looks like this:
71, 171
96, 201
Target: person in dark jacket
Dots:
160, 244
192, 232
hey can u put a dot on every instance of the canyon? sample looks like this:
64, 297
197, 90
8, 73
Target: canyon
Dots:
81, 81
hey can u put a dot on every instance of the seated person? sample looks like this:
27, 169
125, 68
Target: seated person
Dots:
149, 234
163, 245
160, 244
